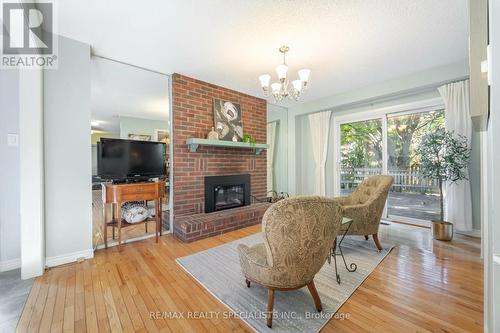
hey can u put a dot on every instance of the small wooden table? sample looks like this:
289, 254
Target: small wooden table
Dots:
117, 194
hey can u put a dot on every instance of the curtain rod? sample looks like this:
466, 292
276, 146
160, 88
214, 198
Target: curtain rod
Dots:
391, 96
466, 77
128, 64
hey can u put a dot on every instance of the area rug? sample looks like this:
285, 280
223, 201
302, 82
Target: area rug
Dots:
218, 270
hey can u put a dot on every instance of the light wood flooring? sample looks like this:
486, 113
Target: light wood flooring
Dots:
421, 286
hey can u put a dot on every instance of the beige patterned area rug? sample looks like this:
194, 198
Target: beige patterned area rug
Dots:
218, 270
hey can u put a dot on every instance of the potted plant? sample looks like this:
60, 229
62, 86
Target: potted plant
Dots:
247, 138
445, 158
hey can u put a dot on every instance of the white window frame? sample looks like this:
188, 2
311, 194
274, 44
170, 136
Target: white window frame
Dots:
382, 114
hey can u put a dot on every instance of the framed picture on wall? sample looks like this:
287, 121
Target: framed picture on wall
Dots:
227, 119
139, 137
161, 135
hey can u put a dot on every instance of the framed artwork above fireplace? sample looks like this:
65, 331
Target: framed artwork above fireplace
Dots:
227, 120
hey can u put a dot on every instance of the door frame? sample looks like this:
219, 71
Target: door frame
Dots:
275, 150
382, 114
31, 173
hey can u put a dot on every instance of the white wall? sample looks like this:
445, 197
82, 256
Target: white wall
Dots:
67, 154
279, 115
133, 125
10, 229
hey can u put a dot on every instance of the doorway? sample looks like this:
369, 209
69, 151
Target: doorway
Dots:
131, 104
385, 142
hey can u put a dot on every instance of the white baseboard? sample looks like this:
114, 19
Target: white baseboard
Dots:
68, 258
8, 265
473, 233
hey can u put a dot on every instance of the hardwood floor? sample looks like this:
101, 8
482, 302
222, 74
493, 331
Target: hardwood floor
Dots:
421, 286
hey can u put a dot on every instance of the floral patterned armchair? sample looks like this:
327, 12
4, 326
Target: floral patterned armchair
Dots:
298, 234
366, 205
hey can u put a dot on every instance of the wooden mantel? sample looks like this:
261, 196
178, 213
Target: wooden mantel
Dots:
194, 143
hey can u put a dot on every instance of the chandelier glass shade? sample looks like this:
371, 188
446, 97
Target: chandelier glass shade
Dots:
283, 89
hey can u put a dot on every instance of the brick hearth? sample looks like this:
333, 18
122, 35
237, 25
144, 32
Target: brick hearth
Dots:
192, 116
193, 227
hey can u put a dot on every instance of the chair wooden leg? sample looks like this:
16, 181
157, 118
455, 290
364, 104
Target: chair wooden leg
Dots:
248, 282
315, 296
366, 237
377, 242
270, 305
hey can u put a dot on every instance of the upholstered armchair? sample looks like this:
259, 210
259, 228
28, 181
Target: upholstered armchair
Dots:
366, 205
298, 233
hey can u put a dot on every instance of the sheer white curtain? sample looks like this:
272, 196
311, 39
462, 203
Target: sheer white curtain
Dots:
271, 141
458, 202
320, 128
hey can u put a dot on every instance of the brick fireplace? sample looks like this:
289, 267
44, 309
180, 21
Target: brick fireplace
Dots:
192, 116
226, 192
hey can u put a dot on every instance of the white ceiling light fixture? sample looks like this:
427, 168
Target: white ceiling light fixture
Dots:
281, 90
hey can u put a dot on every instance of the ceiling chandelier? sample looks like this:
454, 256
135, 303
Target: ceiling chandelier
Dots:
281, 90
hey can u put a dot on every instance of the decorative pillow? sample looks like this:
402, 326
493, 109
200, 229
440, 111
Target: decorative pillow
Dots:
135, 212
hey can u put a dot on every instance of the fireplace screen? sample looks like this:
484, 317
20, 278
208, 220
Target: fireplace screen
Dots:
229, 196
224, 192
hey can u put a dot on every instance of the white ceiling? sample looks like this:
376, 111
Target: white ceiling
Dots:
122, 90
346, 43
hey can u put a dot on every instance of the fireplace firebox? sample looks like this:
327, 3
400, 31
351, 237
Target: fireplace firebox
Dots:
225, 192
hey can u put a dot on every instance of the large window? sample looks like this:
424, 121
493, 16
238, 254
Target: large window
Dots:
411, 195
361, 153
387, 143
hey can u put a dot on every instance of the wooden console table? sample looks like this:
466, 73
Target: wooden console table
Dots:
117, 194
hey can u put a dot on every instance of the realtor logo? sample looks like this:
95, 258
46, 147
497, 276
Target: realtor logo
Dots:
27, 36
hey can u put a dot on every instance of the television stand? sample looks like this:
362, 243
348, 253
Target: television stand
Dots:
131, 181
117, 194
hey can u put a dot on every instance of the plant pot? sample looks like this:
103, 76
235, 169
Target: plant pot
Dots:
442, 230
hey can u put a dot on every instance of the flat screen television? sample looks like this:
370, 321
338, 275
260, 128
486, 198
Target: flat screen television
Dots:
131, 160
